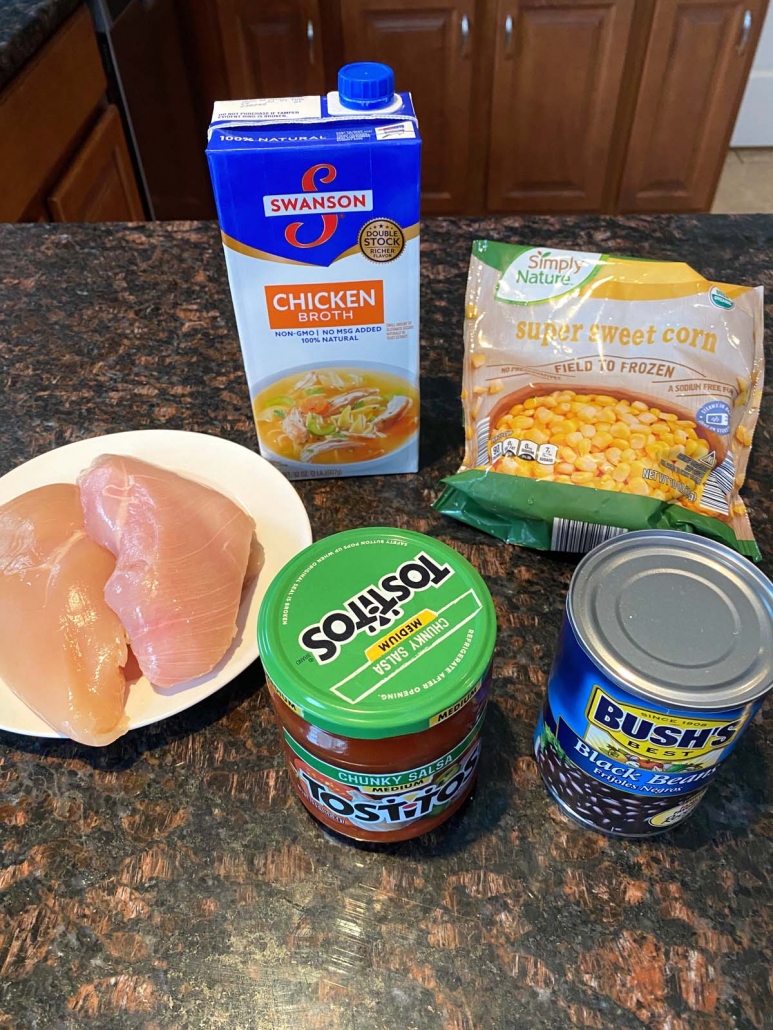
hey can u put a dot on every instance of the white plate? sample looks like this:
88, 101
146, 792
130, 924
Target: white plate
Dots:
281, 525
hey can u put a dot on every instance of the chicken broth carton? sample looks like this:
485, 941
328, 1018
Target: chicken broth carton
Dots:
318, 201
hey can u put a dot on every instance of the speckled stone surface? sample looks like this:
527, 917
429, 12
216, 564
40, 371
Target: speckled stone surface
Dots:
172, 881
25, 25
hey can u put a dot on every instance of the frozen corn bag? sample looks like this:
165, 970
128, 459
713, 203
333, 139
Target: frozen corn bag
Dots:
604, 394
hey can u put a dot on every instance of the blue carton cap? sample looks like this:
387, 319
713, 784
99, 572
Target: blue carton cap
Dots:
366, 84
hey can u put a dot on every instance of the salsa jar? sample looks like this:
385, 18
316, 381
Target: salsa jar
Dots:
377, 647
664, 658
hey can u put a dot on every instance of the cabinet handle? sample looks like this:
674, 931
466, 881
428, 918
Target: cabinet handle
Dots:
746, 31
310, 39
509, 35
464, 32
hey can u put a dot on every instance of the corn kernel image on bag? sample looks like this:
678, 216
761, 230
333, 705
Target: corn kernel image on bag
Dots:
603, 394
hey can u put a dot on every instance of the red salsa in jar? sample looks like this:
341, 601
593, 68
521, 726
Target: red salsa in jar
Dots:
377, 646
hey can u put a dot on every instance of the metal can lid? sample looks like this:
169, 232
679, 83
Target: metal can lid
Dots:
376, 632
675, 618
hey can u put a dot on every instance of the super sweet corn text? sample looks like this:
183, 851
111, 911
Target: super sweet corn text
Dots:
546, 333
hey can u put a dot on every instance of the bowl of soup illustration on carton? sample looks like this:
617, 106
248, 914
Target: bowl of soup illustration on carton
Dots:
321, 419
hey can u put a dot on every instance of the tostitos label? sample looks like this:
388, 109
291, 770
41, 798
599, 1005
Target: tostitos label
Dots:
319, 212
384, 801
614, 394
623, 765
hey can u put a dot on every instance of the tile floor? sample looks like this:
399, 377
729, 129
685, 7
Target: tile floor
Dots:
746, 183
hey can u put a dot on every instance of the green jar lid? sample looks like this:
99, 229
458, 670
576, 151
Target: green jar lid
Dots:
376, 632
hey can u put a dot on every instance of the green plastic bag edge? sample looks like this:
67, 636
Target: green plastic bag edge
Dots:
521, 511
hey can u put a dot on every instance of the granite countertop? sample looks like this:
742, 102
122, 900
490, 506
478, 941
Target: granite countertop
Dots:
25, 25
171, 880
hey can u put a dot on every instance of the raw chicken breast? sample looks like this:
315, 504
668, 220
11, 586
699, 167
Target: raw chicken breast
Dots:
181, 551
61, 648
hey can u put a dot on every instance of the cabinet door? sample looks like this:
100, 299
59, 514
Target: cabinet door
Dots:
429, 46
44, 111
271, 48
558, 73
99, 186
697, 61
36, 212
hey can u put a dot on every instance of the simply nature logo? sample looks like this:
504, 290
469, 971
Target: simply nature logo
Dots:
538, 275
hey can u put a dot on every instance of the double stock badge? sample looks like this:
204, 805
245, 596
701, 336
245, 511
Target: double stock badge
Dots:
377, 645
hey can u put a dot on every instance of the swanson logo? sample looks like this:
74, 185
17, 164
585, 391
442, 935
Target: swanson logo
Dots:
539, 275
311, 201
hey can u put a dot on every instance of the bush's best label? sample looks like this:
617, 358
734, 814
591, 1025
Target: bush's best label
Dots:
653, 735
642, 749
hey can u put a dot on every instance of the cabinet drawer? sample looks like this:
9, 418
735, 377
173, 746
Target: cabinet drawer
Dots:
99, 185
44, 110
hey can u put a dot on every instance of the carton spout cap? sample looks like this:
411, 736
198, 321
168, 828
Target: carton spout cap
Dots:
366, 85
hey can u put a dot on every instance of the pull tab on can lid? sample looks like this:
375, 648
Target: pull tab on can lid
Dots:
365, 85
676, 619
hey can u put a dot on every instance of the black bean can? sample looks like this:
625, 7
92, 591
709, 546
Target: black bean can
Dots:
665, 656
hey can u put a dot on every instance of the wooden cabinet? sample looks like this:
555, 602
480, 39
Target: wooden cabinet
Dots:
271, 48
558, 74
41, 123
697, 61
542, 106
53, 124
429, 46
99, 186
